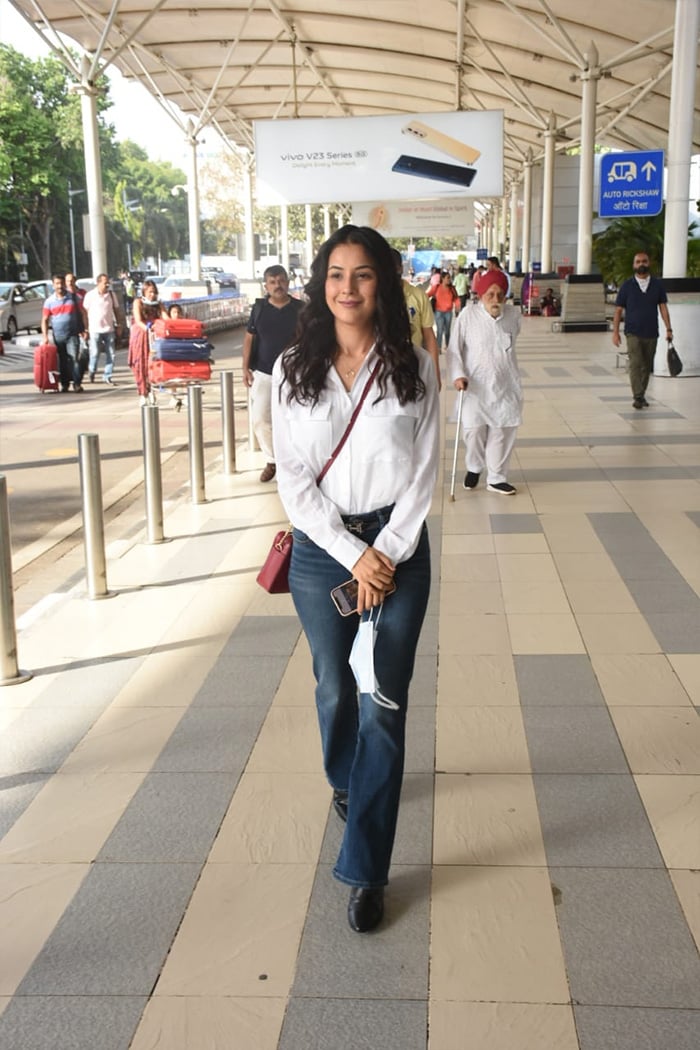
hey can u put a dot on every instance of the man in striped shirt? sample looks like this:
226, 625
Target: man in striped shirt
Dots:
64, 314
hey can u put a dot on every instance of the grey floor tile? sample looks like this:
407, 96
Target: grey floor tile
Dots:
428, 641
554, 679
211, 740
572, 740
236, 681
423, 687
675, 632
389, 963
420, 740
114, 935
594, 821
264, 636
625, 940
173, 817
503, 523
16, 793
354, 1024
66, 1022
636, 565
413, 844
39, 741
665, 596
616, 1028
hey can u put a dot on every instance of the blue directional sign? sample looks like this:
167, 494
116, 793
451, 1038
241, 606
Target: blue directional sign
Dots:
631, 184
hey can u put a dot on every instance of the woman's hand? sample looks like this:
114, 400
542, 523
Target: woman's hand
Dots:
374, 573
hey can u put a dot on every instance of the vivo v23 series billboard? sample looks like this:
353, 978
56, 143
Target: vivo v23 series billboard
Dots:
412, 156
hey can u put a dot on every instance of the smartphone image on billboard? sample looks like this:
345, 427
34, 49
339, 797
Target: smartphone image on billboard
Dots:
444, 143
434, 169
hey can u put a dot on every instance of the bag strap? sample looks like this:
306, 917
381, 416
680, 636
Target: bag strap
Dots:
336, 451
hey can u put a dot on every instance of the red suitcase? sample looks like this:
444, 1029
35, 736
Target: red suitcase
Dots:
178, 371
46, 372
178, 328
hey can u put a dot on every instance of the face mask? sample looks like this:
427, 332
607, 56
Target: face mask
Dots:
362, 661
642, 269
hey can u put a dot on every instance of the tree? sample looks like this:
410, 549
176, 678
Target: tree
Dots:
616, 246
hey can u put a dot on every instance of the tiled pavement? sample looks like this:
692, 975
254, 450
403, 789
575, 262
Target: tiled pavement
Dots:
165, 865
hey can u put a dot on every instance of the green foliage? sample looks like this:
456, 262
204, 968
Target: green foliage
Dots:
41, 152
616, 246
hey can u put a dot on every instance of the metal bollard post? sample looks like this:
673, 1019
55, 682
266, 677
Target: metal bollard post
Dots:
228, 422
9, 672
93, 520
152, 476
196, 436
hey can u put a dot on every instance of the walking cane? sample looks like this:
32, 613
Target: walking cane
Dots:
454, 458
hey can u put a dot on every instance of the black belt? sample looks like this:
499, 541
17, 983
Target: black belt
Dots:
359, 523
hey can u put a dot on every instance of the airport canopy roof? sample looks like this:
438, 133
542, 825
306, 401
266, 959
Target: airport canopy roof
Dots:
230, 62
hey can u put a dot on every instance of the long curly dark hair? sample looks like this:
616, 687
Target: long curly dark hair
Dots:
305, 365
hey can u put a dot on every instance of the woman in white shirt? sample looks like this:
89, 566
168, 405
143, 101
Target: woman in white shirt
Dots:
366, 520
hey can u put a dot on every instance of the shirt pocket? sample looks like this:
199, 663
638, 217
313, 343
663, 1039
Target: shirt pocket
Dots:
311, 431
387, 431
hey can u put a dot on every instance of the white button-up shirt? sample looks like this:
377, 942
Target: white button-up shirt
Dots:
482, 348
391, 456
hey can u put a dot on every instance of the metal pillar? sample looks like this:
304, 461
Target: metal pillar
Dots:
93, 519
93, 169
589, 80
680, 138
514, 227
153, 478
527, 211
228, 423
548, 194
193, 204
196, 439
9, 672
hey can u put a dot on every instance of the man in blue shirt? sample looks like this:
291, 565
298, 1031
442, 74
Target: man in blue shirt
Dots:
64, 313
642, 298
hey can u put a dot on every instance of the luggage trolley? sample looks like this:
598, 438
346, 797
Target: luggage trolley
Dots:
180, 357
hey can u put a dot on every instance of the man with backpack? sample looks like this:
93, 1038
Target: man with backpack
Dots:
271, 328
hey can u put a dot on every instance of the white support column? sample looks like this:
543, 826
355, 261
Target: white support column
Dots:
284, 236
548, 194
248, 218
527, 211
193, 204
680, 137
309, 240
514, 227
589, 80
93, 169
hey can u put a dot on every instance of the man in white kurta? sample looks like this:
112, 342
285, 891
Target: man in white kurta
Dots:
481, 362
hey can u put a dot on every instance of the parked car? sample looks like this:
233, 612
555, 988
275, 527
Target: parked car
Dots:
44, 288
20, 308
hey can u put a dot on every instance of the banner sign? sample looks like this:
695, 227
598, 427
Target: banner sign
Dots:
405, 157
440, 218
631, 183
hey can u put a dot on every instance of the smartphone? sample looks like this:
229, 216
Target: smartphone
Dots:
444, 143
434, 169
345, 596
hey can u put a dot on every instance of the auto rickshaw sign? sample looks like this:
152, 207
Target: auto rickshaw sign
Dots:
631, 183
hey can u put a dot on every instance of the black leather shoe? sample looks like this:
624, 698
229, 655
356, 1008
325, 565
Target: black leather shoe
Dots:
340, 804
365, 908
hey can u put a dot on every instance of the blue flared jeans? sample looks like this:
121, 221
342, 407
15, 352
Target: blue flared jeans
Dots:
363, 743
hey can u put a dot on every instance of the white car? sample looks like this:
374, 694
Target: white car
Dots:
20, 308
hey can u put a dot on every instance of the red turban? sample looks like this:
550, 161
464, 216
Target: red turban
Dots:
489, 277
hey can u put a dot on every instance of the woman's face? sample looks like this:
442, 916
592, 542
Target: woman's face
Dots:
351, 286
